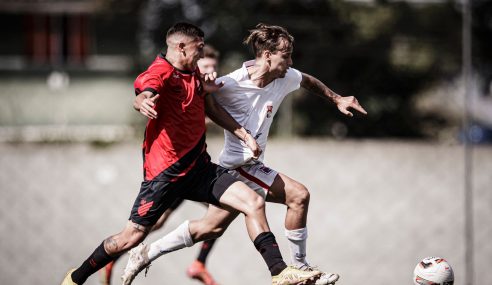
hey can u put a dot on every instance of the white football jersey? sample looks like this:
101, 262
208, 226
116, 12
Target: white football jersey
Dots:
253, 108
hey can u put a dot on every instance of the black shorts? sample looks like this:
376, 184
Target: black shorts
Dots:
205, 182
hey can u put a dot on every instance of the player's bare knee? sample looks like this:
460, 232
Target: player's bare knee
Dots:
299, 197
254, 205
121, 242
132, 235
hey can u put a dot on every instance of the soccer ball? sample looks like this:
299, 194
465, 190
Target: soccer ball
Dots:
433, 271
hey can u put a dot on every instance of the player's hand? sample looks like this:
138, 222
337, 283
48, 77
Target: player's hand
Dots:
209, 84
255, 148
344, 103
147, 107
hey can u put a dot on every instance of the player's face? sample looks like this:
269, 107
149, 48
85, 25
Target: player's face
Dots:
207, 65
194, 51
281, 60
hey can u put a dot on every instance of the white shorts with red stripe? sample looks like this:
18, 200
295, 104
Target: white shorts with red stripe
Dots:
257, 176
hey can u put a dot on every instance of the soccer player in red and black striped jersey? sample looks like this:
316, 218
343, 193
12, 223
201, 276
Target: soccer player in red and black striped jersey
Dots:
197, 269
177, 165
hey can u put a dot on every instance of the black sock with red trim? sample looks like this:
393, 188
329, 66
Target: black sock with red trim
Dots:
205, 250
97, 260
266, 244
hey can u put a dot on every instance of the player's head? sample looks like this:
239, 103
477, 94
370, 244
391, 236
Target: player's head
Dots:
210, 60
185, 41
272, 45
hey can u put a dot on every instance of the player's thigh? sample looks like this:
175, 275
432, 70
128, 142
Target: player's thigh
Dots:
219, 218
215, 185
238, 196
165, 216
285, 189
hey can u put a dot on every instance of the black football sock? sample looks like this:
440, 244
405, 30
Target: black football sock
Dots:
205, 250
266, 244
97, 260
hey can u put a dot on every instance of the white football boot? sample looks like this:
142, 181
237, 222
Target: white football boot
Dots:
325, 278
139, 259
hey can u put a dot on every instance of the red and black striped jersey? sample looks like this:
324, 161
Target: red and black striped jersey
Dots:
176, 138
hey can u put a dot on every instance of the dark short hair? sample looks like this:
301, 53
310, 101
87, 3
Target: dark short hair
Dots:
265, 37
186, 29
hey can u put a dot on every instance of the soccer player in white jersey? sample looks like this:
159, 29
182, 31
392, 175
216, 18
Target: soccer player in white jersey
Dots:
252, 95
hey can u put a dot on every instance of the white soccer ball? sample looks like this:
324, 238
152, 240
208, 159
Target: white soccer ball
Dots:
433, 271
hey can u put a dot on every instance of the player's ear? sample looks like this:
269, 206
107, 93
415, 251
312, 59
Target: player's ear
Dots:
267, 54
181, 47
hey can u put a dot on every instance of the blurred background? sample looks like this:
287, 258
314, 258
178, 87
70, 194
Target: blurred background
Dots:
412, 179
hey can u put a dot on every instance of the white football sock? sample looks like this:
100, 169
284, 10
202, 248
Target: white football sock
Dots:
177, 239
297, 243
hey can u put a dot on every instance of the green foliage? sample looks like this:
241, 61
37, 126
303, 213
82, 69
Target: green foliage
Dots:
383, 53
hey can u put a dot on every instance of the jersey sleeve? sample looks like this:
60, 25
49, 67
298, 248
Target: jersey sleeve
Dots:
293, 79
229, 83
150, 80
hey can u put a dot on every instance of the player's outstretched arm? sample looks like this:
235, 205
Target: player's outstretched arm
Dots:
220, 116
144, 103
314, 85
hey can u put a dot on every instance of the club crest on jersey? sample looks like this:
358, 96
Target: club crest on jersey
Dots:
269, 111
144, 207
265, 170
